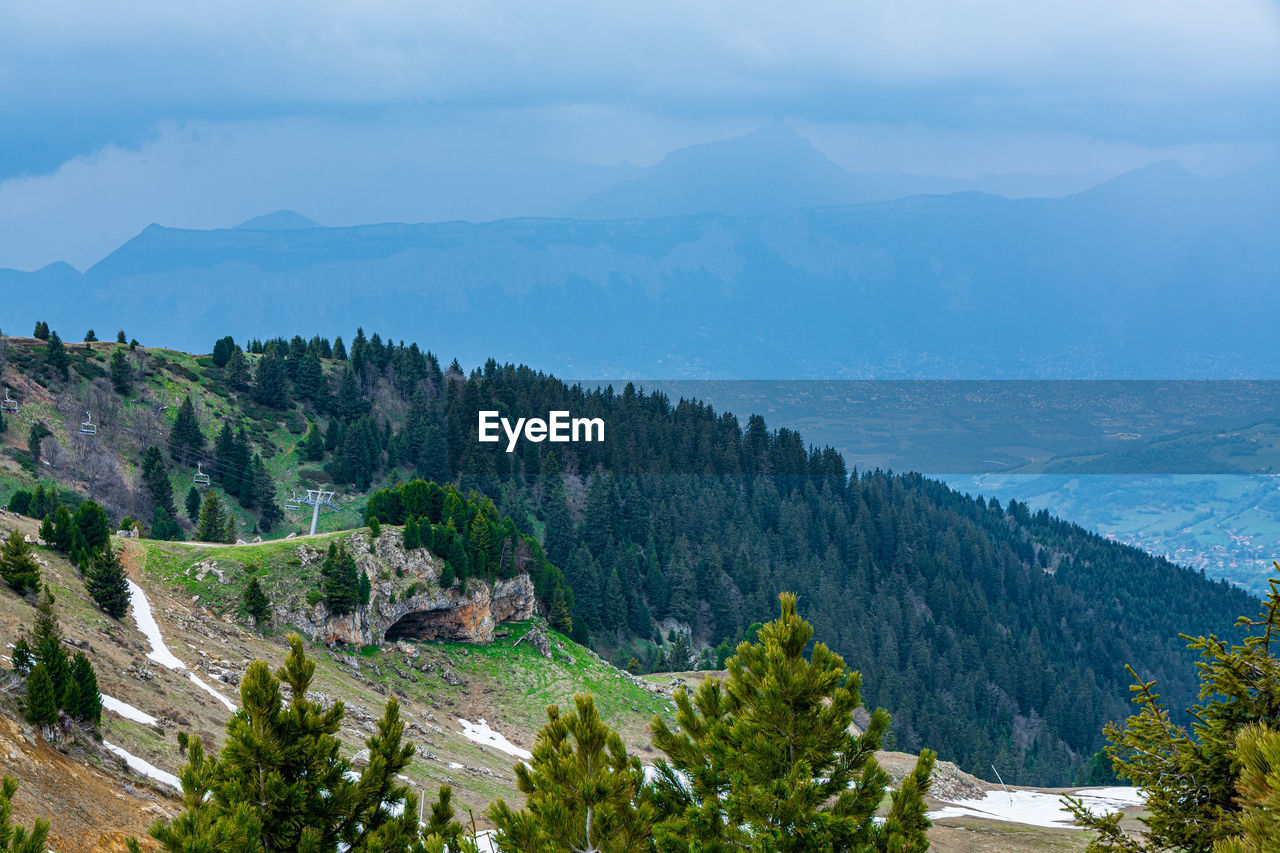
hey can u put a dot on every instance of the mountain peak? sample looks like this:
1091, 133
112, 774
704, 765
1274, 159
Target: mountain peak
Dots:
279, 220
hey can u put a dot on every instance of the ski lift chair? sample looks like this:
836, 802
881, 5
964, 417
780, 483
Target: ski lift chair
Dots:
88, 427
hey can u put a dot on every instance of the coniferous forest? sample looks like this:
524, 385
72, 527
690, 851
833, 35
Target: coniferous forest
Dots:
992, 634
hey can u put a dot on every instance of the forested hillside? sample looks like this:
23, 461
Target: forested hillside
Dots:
991, 634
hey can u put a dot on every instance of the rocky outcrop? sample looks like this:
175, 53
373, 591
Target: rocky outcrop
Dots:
406, 600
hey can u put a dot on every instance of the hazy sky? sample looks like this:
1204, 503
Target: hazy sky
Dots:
117, 115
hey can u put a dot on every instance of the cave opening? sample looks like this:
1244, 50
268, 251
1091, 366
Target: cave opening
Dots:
445, 624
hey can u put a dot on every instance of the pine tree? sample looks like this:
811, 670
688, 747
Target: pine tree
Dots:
121, 373
156, 478
18, 839
70, 699
448, 577
766, 760
269, 511
279, 783
256, 603
1191, 777
18, 565
412, 538
230, 531
106, 583
193, 504
310, 383
1258, 791
186, 439
63, 530
560, 617
271, 381
91, 520
222, 348
238, 372
89, 709
311, 448
212, 526
341, 586
582, 789
41, 701
55, 356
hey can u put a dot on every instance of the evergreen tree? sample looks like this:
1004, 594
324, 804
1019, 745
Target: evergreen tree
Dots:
212, 526
35, 435
560, 618
90, 337
42, 331
18, 839
582, 790
341, 586
311, 448
106, 583
55, 356
271, 381
231, 531
121, 373
89, 707
222, 349
91, 520
186, 439
1191, 777
193, 504
1258, 790
412, 538
164, 527
310, 383
238, 372
339, 349
62, 530
279, 783
156, 478
70, 699
766, 760
255, 602
41, 702
121, 337
269, 510
18, 565
448, 577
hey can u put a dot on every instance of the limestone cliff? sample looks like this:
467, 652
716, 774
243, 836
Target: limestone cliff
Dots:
406, 599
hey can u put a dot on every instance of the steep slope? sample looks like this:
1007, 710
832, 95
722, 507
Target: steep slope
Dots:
992, 634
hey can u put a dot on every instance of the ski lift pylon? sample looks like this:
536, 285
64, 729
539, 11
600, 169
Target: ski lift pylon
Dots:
201, 478
88, 427
8, 404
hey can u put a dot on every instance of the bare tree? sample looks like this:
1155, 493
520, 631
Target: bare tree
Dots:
52, 452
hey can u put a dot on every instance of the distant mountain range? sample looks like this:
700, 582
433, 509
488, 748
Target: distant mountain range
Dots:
776, 169
1155, 273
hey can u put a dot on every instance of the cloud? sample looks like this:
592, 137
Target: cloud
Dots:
1110, 66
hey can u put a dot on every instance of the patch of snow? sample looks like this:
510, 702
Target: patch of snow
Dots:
482, 734
453, 765
124, 709
1035, 808
486, 841
231, 706
146, 622
144, 767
